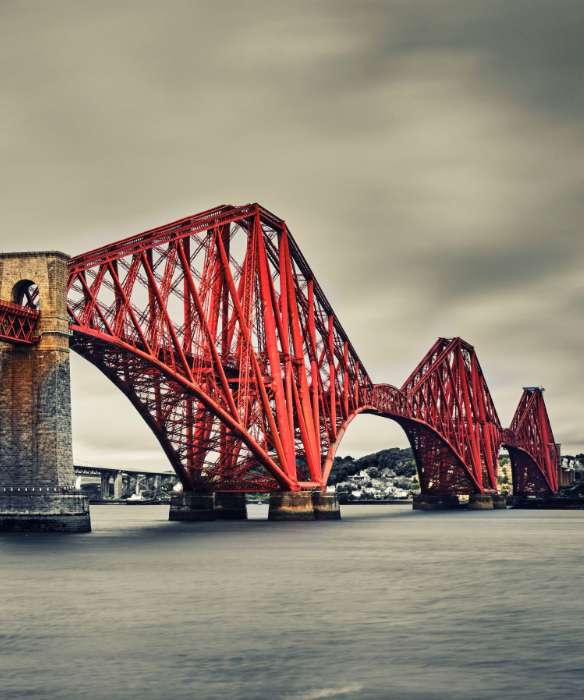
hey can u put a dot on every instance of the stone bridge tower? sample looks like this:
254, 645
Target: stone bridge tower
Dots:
36, 456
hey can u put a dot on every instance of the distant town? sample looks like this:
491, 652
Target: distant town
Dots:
385, 475
391, 474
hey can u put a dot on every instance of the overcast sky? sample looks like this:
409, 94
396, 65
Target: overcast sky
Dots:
428, 157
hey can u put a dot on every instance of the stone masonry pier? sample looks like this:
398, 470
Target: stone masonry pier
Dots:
36, 457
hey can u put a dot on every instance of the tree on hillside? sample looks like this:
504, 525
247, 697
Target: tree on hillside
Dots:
400, 461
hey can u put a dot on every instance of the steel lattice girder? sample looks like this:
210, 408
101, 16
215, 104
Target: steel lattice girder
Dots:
244, 366
216, 329
18, 324
448, 392
535, 455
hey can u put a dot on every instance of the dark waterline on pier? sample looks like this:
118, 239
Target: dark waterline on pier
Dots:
386, 604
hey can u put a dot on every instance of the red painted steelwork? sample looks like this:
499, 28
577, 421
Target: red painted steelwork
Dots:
534, 453
216, 329
18, 324
452, 422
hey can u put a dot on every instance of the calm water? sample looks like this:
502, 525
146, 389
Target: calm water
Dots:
385, 604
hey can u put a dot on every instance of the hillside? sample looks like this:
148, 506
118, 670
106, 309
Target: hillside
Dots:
399, 461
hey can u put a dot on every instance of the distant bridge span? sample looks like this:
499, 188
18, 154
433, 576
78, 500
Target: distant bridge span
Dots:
217, 331
121, 482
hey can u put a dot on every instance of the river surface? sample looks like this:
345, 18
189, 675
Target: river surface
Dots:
386, 604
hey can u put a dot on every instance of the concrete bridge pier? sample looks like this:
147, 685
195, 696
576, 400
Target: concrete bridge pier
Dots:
499, 501
37, 480
326, 506
480, 501
291, 505
189, 506
118, 485
105, 486
133, 486
435, 501
230, 506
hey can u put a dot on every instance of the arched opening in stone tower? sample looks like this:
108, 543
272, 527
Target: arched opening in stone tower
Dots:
26, 293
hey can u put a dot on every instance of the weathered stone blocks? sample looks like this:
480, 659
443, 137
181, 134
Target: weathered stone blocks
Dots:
36, 454
188, 506
304, 505
326, 506
499, 501
230, 506
291, 505
435, 501
480, 501
26, 510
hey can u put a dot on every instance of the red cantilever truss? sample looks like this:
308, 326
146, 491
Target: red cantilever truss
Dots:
448, 393
216, 329
534, 452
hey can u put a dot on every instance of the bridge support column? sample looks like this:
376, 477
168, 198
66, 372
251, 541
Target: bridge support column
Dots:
529, 501
192, 507
435, 501
230, 506
326, 506
480, 501
291, 505
118, 485
105, 486
499, 501
37, 480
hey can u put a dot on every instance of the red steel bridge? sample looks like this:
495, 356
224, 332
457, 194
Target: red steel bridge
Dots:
217, 331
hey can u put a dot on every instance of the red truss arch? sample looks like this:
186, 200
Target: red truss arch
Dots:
449, 417
533, 450
217, 331
448, 392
